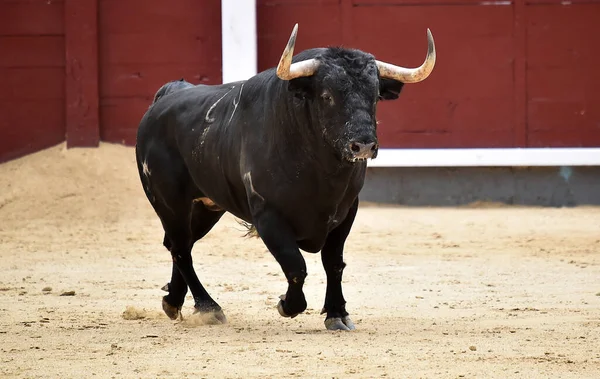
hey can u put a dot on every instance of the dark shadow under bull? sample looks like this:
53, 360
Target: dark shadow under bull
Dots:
285, 151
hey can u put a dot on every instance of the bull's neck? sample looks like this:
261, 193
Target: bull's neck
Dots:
298, 133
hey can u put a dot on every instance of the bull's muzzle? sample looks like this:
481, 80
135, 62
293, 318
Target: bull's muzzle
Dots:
360, 151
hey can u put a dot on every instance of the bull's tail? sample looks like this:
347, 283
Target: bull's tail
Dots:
250, 229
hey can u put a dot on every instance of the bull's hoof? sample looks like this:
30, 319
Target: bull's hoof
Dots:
211, 317
339, 323
280, 308
172, 312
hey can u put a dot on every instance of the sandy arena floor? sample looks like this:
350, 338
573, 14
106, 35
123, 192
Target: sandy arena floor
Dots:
436, 293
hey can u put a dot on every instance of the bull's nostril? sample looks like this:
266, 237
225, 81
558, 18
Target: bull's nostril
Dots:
374, 147
355, 147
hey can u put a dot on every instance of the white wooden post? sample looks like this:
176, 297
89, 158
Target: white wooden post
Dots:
238, 30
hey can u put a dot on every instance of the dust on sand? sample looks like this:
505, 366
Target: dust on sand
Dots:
469, 292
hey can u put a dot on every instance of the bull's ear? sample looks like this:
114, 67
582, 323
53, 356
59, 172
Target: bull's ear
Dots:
301, 87
389, 89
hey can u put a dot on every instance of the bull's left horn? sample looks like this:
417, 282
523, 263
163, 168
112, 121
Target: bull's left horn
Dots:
288, 71
410, 75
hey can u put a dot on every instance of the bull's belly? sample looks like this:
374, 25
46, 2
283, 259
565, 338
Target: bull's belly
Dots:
312, 246
311, 222
315, 242
312, 232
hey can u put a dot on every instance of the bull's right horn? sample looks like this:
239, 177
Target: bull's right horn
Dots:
288, 71
411, 75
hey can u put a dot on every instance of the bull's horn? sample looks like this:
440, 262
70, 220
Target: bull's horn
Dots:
288, 71
410, 75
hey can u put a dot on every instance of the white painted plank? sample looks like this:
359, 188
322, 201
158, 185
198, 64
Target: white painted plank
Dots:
487, 157
238, 30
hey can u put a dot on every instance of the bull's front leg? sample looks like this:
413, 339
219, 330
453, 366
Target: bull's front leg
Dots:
279, 239
332, 256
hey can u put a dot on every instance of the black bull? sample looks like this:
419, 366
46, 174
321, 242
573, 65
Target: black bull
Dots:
285, 151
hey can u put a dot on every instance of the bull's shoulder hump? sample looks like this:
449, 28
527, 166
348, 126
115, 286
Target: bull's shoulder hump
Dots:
196, 100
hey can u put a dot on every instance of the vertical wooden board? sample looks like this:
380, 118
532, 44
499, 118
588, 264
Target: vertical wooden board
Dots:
520, 73
144, 44
32, 17
319, 25
470, 92
81, 46
562, 77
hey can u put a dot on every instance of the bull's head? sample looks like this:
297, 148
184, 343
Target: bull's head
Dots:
344, 86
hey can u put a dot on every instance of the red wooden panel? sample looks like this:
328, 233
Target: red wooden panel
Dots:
455, 122
81, 45
433, 2
453, 140
562, 78
178, 46
319, 25
144, 80
155, 31
144, 44
520, 73
143, 16
564, 3
32, 59
28, 126
32, 51
32, 83
564, 123
123, 115
550, 84
296, 2
560, 36
31, 17
469, 94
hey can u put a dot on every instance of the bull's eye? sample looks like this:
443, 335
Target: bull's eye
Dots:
326, 96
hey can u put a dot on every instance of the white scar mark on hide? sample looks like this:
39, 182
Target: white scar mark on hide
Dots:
248, 180
212, 107
235, 103
203, 136
145, 168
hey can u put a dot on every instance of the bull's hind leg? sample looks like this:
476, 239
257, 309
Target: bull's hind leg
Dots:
332, 256
202, 221
171, 192
177, 289
181, 240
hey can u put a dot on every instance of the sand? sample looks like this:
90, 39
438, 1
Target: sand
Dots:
481, 291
